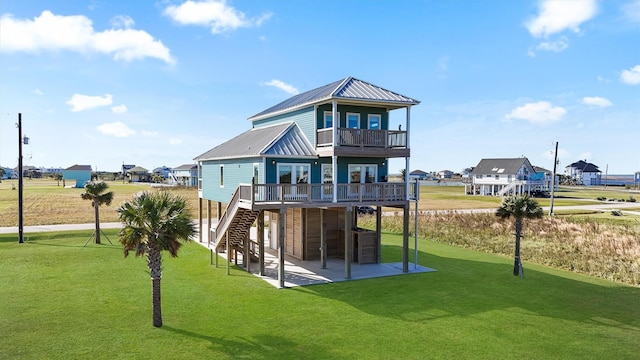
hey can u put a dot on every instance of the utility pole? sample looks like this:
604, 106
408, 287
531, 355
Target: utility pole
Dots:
20, 184
553, 180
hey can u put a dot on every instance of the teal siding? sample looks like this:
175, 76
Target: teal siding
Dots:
236, 171
362, 110
302, 117
80, 176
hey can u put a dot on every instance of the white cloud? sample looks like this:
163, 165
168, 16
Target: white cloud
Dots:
119, 109
556, 46
597, 101
37, 92
556, 16
116, 129
215, 14
290, 89
122, 21
75, 33
631, 76
175, 141
537, 113
631, 11
81, 102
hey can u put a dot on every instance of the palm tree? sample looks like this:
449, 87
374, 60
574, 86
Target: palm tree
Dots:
519, 206
155, 221
95, 191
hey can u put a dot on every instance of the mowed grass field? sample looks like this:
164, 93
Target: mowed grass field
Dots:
46, 203
60, 300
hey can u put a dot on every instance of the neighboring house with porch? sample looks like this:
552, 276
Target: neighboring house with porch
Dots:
584, 173
186, 175
307, 163
138, 174
418, 175
80, 173
505, 176
445, 174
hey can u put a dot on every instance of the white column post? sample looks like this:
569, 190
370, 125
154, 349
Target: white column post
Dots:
407, 169
334, 158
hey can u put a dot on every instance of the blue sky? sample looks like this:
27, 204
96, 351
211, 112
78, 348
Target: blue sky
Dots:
158, 83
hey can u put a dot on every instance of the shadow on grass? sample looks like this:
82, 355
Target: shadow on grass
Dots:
463, 287
259, 347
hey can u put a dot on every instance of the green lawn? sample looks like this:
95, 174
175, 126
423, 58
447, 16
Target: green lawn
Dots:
60, 300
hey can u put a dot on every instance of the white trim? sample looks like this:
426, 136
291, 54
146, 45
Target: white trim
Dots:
324, 119
379, 116
363, 177
346, 120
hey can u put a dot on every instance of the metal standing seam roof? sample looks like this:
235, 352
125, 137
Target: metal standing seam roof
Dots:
79, 167
348, 88
500, 166
279, 140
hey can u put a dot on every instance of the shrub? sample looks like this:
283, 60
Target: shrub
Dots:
631, 199
616, 212
601, 198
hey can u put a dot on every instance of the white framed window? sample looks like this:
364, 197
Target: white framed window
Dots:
363, 173
353, 120
327, 174
328, 119
221, 176
293, 173
375, 121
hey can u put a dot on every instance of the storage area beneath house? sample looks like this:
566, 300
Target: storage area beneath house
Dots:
303, 232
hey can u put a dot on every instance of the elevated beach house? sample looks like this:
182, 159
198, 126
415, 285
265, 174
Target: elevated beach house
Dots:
305, 165
506, 176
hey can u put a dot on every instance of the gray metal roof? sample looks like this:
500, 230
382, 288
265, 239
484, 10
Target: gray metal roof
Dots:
350, 89
279, 140
186, 167
79, 167
501, 166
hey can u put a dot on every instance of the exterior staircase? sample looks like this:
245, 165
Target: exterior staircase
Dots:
236, 221
510, 187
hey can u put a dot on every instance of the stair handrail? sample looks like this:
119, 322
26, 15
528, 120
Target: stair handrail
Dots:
226, 217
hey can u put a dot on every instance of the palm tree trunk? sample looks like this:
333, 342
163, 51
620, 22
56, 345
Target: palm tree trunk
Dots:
157, 304
96, 208
154, 261
516, 260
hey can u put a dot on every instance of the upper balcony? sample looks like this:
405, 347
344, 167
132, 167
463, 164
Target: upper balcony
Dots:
362, 142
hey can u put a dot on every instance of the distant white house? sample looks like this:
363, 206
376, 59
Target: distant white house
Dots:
186, 175
445, 174
584, 173
506, 176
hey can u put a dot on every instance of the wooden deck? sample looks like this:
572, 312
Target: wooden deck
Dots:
269, 196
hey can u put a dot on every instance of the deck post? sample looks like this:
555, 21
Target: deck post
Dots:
226, 234
246, 259
405, 239
323, 240
199, 219
261, 241
208, 218
218, 210
281, 234
348, 217
379, 233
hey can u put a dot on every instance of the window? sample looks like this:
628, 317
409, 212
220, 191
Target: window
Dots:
353, 121
327, 174
497, 177
374, 121
363, 173
221, 175
328, 119
293, 174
